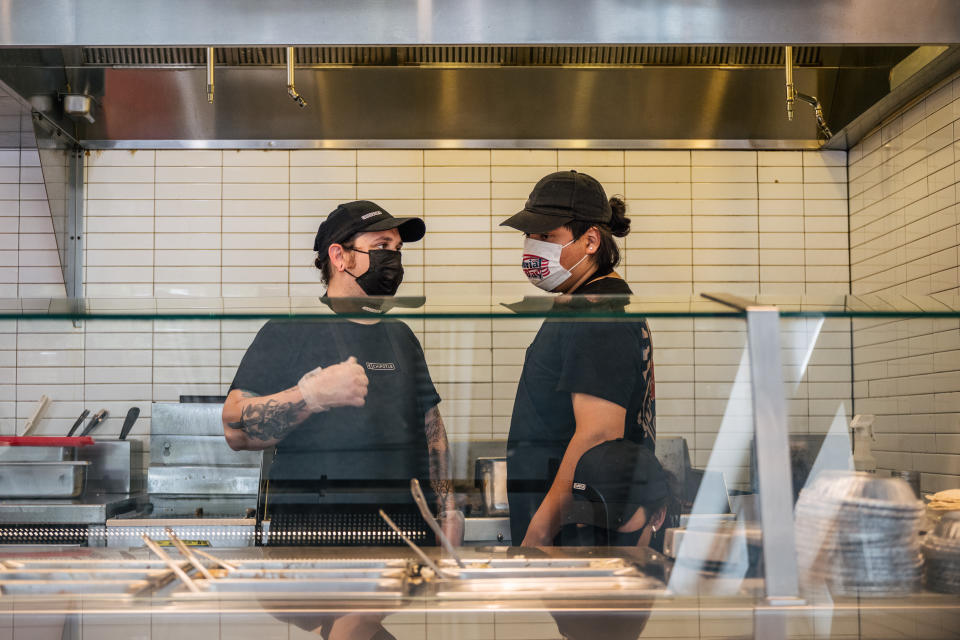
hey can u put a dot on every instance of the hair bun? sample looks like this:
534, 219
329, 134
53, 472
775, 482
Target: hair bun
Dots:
619, 222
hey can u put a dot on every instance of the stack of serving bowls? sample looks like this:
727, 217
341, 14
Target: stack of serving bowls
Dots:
859, 534
941, 551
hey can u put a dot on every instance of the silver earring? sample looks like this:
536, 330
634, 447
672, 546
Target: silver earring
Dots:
654, 528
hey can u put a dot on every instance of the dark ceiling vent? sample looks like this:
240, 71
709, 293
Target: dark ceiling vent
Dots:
457, 55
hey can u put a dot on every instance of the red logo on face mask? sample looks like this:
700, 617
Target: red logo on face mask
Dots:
535, 266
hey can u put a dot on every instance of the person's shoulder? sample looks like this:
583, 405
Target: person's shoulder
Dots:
402, 331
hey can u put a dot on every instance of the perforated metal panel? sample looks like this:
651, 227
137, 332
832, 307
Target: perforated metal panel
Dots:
327, 527
458, 55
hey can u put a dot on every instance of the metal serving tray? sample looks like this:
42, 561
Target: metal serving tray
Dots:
314, 565
74, 587
64, 574
309, 574
338, 588
546, 577
42, 479
540, 568
82, 564
565, 586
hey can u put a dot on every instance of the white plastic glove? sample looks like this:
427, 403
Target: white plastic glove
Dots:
339, 385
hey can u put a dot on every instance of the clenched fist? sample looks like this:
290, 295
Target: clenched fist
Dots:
339, 385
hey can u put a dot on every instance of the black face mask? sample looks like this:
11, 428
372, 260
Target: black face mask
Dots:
384, 275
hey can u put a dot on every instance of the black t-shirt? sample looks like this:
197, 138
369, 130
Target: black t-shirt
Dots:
381, 443
610, 358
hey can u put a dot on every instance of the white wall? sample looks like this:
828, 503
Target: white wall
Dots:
904, 241
241, 223
29, 262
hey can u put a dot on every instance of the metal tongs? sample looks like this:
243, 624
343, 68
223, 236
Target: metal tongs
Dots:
430, 563
421, 501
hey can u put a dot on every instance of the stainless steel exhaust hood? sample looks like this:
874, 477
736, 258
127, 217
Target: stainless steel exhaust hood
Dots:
464, 95
687, 73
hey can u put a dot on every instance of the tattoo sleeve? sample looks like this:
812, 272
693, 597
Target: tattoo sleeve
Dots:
439, 453
266, 418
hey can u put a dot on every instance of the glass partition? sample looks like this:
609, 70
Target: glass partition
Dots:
483, 402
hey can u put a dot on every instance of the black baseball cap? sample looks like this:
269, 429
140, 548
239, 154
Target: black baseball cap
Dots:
361, 216
612, 480
560, 198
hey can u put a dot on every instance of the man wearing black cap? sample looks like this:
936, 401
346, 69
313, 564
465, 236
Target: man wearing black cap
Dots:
585, 381
622, 497
347, 404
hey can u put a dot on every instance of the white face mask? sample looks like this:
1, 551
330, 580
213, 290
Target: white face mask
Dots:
541, 263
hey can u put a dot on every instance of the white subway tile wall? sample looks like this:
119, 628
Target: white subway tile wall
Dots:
241, 223
904, 203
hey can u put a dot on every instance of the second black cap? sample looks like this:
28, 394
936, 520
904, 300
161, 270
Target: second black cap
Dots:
559, 198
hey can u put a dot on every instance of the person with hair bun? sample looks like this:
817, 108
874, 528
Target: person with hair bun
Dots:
585, 380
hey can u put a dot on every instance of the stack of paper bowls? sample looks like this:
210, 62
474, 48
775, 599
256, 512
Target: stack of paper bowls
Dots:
859, 534
941, 551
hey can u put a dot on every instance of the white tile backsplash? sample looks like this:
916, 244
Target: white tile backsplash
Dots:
904, 242
206, 222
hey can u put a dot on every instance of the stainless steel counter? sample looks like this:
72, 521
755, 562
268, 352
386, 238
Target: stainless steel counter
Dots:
95, 509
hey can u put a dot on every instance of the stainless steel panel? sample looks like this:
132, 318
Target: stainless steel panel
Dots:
186, 419
512, 104
361, 22
899, 98
42, 479
116, 466
212, 532
198, 450
203, 480
212, 506
89, 510
493, 530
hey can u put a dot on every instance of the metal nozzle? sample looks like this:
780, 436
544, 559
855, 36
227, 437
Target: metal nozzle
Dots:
794, 95
291, 89
818, 112
210, 75
791, 90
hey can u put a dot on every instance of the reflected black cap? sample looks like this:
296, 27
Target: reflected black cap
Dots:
361, 216
560, 198
612, 480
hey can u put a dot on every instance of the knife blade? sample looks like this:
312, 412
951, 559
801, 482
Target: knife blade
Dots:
132, 416
97, 418
76, 425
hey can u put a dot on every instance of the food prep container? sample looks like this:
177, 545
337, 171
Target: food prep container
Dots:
63, 479
491, 478
40, 448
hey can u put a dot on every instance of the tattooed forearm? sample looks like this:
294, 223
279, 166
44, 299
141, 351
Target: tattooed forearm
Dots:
270, 419
439, 454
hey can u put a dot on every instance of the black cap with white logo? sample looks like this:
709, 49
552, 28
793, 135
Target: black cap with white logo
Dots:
559, 198
612, 480
361, 216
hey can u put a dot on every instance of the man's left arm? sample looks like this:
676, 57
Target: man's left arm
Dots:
441, 482
598, 420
